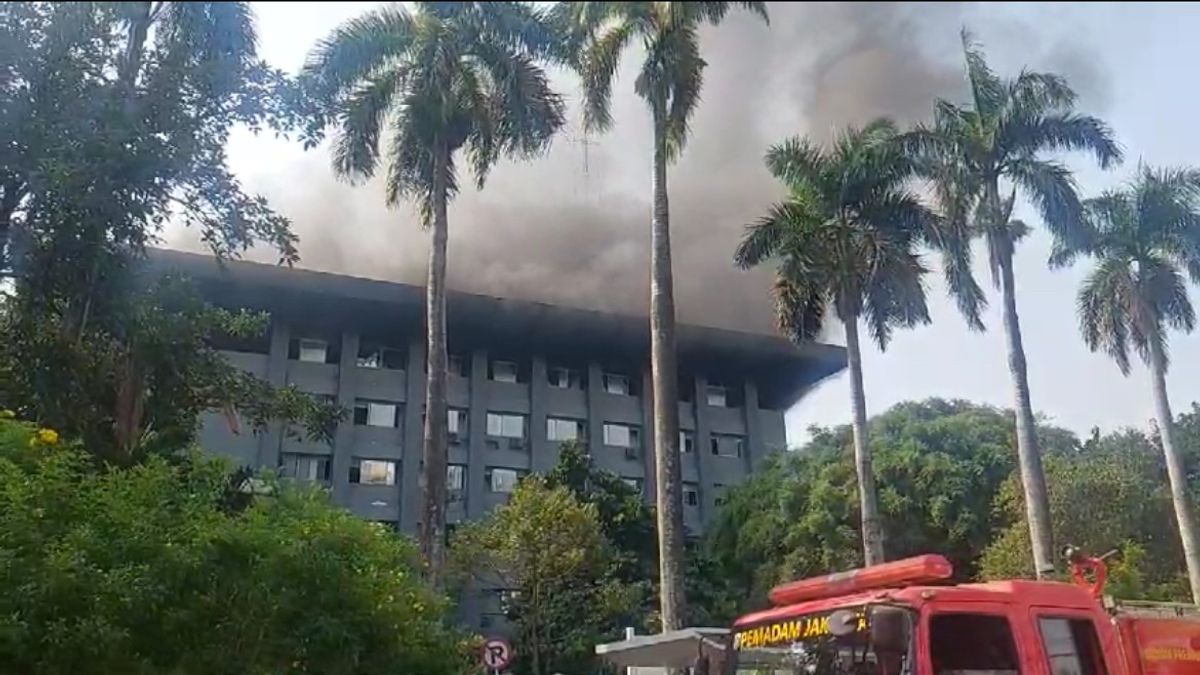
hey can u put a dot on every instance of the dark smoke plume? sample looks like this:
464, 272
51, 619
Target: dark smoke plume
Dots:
573, 228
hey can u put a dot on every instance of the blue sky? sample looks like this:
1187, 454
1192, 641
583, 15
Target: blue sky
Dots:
1133, 65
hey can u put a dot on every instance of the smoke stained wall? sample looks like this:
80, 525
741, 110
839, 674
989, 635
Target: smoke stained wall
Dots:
572, 228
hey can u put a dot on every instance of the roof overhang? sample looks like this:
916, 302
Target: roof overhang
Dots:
674, 649
783, 371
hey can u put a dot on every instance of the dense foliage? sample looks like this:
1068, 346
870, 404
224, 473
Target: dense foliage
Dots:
947, 485
169, 567
113, 121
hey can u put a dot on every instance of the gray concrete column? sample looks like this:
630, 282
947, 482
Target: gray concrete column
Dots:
755, 449
705, 472
477, 458
544, 453
343, 437
414, 437
649, 451
277, 365
595, 391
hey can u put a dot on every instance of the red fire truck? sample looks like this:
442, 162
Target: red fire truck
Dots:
904, 618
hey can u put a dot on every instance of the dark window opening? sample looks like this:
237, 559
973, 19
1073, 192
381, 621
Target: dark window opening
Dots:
1072, 646
375, 355
972, 644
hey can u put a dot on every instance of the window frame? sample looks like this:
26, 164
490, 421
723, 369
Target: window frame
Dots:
495, 371
502, 416
693, 489
1017, 630
300, 348
489, 474
1100, 666
612, 377
321, 460
686, 435
634, 434
390, 474
366, 404
551, 423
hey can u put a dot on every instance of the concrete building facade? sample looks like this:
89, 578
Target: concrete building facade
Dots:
524, 377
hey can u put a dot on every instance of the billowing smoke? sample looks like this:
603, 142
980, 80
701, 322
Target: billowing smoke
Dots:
573, 228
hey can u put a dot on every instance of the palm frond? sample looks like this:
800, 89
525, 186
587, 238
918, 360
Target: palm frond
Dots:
360, 120
800, 309
1068, 131
528, 111
598, 67
987, 89
765, 238
684, 78
357, 47
1164, 291
796, 161
1104, 304
1041, 92
519, 27
894, 294
1051, 188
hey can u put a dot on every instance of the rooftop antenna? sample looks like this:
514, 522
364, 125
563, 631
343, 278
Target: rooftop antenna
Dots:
585, 142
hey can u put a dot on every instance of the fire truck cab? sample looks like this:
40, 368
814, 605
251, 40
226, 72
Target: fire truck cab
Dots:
903, 618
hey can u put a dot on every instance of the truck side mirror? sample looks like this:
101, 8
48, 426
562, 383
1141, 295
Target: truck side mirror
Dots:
889, 630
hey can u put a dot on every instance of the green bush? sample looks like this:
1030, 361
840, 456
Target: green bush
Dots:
168, 567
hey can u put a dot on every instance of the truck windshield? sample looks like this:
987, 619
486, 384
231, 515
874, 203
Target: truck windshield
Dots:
835, 643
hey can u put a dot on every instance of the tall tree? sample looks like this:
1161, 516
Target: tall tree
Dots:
445, 77
114, 118
669, 81
1145, 240
846, 238
975, 154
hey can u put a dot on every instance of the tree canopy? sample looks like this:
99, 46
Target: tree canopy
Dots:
170, 568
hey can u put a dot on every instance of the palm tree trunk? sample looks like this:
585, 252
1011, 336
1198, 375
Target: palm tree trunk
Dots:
1175, 471
872, 529
433, 478
664, 374
1029, 455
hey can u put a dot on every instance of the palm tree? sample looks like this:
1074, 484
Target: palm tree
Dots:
669, 82
443, 77
974, 154
1144, 239
846, 238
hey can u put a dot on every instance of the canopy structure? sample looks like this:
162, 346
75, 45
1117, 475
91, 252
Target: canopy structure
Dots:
675, 649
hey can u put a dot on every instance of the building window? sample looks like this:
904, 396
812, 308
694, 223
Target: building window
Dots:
715, 395
621, 435
1071, 646
456, 365
634, 483
616, 384
718, 494
456, 483
506, 425
500, 480
312, 351
456, 423
559, 429
304, 467
373, 472
564, 378
375, 356
504, 371
687, 442
955, 639
691, 494
376, 414
727, 445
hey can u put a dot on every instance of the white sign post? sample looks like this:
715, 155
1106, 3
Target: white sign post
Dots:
497, 654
